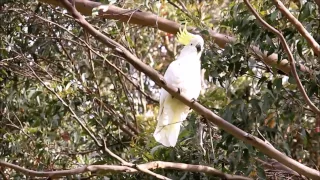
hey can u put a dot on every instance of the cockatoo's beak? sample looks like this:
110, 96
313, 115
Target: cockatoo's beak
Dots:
184, 37
198, 46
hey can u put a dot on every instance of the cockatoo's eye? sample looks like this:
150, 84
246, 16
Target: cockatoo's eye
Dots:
198, 46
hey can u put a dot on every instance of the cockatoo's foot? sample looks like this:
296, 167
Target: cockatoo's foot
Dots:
193, 100
178, 91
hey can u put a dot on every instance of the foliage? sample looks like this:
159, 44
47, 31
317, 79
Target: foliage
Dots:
118, 103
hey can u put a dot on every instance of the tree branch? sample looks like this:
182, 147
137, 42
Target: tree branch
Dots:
61, 173
118, 168
291, 59
313, 43
318, 4
139, 167
3, 175
159, 80
152, 20
191, 168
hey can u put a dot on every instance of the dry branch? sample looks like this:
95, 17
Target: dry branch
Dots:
148, 19
221, 123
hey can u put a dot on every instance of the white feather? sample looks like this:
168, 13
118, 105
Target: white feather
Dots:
185, 74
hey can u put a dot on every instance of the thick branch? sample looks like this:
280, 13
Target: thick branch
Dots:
318, 3
221, 123
148, 19
291, 59
313, 43
190, 168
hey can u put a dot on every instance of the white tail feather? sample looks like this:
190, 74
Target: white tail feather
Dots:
168, 127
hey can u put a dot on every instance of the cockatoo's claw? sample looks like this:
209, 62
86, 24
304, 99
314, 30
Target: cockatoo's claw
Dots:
162, 80
178, 91
193, 100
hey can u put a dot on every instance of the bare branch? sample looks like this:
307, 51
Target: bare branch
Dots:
61, 173
313, 43
291, 59
139, 167
191, 168
123, 162
221, 123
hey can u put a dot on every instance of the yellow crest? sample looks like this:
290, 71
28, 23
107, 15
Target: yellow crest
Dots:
183, 36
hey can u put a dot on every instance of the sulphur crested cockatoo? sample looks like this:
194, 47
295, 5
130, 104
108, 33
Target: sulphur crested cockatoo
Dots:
184, 74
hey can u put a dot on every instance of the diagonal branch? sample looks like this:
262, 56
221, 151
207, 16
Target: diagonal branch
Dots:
291, 59
313, 43
220, 122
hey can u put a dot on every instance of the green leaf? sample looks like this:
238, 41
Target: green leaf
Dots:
300, 48
256, 105
261, 172
278, 83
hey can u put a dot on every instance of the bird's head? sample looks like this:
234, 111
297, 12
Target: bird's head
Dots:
192, 41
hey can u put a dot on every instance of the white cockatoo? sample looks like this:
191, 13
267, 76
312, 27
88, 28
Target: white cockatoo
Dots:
185, 74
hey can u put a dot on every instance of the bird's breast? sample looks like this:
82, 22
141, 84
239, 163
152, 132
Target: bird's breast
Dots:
189, 78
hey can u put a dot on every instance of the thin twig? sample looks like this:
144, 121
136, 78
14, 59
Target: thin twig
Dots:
3, 175
67, 106
139, 167
291, 59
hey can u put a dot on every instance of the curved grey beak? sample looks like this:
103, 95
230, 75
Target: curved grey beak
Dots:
198, 48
